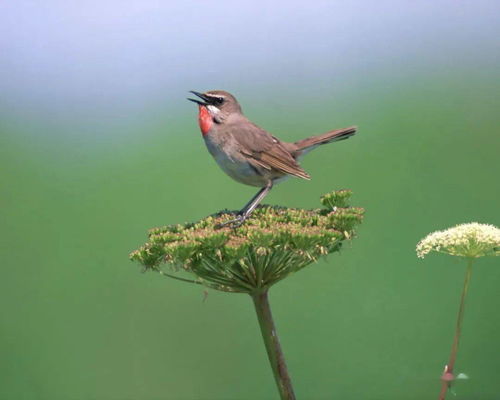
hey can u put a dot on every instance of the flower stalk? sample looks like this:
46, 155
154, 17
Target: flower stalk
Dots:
448, 376
272, 343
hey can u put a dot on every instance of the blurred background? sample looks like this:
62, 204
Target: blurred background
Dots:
98, 144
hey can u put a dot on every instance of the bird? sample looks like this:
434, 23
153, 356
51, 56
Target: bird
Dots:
249, 154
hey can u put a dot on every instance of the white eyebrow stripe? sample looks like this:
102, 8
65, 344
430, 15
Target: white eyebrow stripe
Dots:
217, 96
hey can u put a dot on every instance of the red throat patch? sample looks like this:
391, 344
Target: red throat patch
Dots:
205, 120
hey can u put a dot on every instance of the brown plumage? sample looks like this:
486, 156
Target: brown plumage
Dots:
248, 153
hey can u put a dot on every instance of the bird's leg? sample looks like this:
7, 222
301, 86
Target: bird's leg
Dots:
249, 207
252, 204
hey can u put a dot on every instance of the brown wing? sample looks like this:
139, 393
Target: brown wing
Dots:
266, 150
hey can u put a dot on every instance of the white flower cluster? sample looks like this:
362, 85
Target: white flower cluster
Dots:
465, 240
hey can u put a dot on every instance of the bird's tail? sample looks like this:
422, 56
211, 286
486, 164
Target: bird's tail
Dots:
305, 145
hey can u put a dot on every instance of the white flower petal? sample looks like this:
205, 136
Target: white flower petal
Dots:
465, 240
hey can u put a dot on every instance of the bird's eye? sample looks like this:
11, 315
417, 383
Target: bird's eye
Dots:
219, 100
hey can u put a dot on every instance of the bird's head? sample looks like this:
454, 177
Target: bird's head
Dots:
215, 106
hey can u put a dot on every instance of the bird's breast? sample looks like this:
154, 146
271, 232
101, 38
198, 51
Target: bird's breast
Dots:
232, 162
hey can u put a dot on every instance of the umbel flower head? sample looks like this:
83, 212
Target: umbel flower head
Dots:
466, 240
273, 243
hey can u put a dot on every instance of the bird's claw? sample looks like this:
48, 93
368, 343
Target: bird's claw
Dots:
233, 223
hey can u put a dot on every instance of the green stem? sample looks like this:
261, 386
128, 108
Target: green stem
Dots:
274, 352
448, 369
179, 278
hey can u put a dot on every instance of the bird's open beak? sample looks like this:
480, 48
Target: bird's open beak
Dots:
206, 102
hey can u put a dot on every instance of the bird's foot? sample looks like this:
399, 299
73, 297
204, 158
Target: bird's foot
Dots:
233, 223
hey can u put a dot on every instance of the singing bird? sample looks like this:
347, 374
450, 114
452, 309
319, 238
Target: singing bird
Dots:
248, 153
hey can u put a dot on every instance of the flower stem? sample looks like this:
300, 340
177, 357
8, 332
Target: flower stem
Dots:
448, 376
274, 352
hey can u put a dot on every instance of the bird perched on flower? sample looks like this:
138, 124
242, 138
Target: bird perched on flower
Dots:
248, 153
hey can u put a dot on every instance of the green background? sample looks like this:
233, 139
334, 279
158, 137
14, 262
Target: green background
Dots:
79, 321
